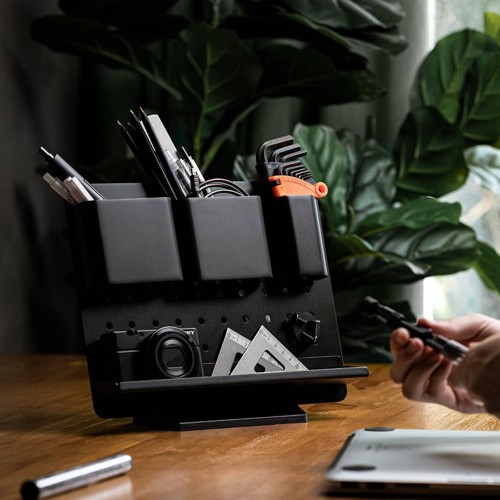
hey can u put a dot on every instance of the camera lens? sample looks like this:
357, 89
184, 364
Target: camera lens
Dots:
172, 353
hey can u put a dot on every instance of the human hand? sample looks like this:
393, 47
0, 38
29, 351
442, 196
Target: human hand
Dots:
479, 372
425, 375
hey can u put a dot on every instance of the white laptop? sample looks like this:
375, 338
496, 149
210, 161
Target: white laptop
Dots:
385, 462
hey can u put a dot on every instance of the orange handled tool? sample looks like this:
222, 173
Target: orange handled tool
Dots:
286, 185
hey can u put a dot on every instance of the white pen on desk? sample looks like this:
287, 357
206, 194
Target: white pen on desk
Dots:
76, 477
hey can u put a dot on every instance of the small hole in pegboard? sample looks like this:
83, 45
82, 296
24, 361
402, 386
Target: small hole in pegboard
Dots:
109, 326
178, 321
223, 320
267, 318
246, 319
156, 323
201, 321
204, 347
131, 324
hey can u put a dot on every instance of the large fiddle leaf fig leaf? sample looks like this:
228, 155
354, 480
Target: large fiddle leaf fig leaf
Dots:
309, 74
371, 24
442, 75
349, 14
217, 72
420, 238
327, 160
372, 175
87, 38
429, 155
484, 166
480, 113
488, 266
418, 213
446, 248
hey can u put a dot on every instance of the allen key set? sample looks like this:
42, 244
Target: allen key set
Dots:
205, 302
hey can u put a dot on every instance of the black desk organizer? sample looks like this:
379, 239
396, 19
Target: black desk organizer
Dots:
240, 262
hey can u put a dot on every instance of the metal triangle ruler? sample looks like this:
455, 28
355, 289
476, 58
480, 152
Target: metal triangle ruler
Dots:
265, 342
234, 344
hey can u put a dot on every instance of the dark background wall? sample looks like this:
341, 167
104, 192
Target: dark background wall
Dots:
38, 100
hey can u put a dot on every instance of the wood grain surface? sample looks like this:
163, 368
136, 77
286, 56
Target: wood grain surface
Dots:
47, 423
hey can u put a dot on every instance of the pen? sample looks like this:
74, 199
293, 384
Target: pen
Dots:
58, 167
76, 477
59, 188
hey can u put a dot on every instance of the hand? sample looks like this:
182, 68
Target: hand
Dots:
479, 372
425, 375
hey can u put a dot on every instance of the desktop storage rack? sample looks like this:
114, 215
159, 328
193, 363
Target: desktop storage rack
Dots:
205, 265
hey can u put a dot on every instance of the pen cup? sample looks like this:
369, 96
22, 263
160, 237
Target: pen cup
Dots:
296, 237
124, 241
224, 238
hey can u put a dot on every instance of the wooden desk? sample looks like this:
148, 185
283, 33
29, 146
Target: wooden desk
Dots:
47, 423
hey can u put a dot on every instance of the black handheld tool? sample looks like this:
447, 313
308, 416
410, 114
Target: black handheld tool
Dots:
450, 349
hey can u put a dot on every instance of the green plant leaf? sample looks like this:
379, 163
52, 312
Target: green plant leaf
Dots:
309, 74
488, 266
349, 14
484, 166
442, 74
372, 175
355, 262
327, 161
217, 72
429, 155
87, 38
492, 25
418, 213
447, 248
480, 112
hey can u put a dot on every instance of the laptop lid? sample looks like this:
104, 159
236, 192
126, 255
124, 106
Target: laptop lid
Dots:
385, 462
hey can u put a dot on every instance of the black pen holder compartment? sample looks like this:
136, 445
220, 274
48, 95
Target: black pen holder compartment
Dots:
295, 237
223, 238
125, 241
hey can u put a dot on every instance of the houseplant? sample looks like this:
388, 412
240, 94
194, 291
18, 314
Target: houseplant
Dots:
205, 66
385, 221
380, 223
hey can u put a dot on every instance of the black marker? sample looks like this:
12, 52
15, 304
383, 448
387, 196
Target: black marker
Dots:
450, 349
61, 169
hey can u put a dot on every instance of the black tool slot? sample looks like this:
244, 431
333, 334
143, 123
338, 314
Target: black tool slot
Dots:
124, 241
223, 238
295, 237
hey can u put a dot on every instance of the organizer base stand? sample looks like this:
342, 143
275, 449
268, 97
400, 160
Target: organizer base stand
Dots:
240, 416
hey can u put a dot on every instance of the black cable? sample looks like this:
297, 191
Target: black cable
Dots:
211, 187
